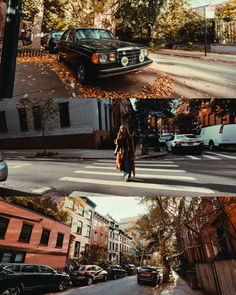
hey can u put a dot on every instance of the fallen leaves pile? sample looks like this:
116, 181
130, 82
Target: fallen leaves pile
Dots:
162, 87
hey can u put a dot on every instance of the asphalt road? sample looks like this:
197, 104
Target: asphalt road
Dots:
129, 286
196, 77
210, 174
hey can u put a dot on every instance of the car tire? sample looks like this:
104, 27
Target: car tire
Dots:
104, 278
89, 281
63, 285
211, 145
139, 282
11, 290
155, 282
82, 73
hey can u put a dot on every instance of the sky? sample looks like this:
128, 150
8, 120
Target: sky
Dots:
198, 3
118, 207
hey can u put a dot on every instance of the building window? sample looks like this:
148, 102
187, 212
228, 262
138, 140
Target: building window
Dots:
45, 237
110, 246
106, 121
77, 249
86, 248
95, 236
3, 122
80, 211
101, 238
79, 227
23, 119
90, 215
60, 238
37, 118
3, 226
64, 114
88, 231
99, 116
25, 234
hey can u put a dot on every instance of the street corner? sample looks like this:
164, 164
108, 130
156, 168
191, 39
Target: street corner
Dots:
46, 76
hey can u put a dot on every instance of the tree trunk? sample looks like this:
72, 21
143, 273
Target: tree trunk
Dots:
37, 26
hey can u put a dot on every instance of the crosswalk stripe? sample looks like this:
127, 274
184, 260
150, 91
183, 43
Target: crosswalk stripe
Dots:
224, 156
41, 190
138, 169
150, 176
193, 157
142, 185
211, 157
140, 161
139, 164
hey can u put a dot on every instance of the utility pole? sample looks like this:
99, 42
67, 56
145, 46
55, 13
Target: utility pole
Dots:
9, 49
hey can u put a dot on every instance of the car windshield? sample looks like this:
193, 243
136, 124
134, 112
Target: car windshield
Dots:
146, 269
57, 35
185, 136
95, 34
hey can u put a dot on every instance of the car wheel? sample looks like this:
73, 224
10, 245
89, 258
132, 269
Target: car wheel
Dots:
139, 282
211, 146
104, 278
89, 281
13, 290
81, 73
123, 275
63, 285
155, 282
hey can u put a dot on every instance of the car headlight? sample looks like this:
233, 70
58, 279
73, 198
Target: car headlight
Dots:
144, 51
103, 58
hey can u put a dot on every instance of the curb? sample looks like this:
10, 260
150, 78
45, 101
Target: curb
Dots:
205, 58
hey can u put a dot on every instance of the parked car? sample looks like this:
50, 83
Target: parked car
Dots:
185, 143
114, 271
130, 269
97, 53
149, 274
163, 139
17, 278
51, 41
3, 169
219, 136
88, 274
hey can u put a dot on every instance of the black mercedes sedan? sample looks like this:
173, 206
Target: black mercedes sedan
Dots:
17, 278
96, 53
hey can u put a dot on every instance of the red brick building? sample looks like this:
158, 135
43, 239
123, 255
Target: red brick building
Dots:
29, 237
100, 231
212, 233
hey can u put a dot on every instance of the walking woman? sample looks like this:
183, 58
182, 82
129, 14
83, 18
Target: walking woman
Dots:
125, 152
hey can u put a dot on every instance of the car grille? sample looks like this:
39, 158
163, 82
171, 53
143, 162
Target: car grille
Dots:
132, 54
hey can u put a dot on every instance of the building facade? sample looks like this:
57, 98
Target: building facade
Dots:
29, 237
113, 241
79, 123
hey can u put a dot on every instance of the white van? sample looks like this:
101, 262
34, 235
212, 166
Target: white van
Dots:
219, 136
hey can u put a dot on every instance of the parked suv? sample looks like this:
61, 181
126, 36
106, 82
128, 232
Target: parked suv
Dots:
17, 278
88, 274
148, 274
114, 271
97, 53
130, 269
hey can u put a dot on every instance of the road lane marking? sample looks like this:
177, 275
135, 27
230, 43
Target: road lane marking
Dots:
140, 161
41, 190
139, 169
193, 157
150, 176
137, 164
225, 156
150, 186
211, 157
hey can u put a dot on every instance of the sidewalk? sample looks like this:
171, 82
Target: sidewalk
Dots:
179, 287
229, 58
74, 154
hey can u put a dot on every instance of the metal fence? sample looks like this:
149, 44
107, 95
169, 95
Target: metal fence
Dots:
217, 278
29, 52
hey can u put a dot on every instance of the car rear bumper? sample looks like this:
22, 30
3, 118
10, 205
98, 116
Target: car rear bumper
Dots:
146, 279
187, 149
3, 171
115, 71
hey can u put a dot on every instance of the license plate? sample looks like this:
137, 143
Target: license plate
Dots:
145, 275
190, 143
